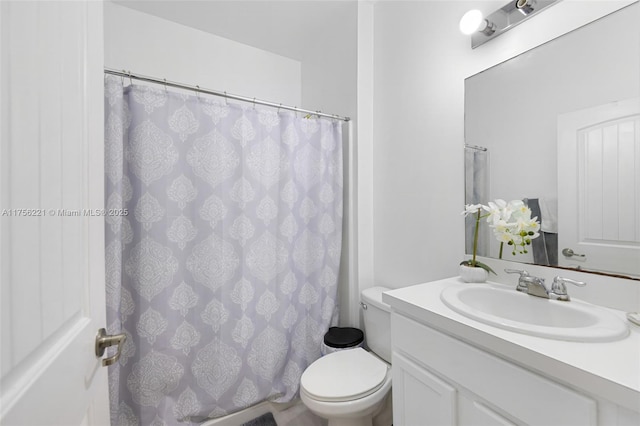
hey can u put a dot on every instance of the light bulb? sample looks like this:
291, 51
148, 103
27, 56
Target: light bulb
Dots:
471, 22
525, 6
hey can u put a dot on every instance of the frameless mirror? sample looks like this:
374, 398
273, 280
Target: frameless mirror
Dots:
559, 127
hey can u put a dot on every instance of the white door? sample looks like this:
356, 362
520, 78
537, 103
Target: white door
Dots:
52, 256
599, 188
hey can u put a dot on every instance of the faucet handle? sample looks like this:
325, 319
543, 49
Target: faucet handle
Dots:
522, 283
559, 289
522, 273
560, 281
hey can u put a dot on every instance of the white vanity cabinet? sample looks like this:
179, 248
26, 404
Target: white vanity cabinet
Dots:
441, 380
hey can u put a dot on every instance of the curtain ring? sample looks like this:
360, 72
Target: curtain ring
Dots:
226, 98
254, 104
278, 111
165, 84
197, 90
130, 79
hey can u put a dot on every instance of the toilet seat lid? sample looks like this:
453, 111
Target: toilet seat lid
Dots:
344, 375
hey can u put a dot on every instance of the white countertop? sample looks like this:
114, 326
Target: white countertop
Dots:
609, 370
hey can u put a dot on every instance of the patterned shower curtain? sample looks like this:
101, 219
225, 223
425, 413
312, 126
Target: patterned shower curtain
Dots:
223, 272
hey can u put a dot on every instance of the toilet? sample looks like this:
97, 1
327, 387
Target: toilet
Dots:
350, 387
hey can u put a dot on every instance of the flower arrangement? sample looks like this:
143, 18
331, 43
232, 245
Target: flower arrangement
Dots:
511, 222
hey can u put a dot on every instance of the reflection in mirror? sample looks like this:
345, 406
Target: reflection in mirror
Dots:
559, 127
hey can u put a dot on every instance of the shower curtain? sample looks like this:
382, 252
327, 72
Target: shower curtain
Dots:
476, 191
223, 244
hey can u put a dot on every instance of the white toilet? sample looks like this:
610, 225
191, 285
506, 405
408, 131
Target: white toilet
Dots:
350, 387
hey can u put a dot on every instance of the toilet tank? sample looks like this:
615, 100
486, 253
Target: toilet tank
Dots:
377, 322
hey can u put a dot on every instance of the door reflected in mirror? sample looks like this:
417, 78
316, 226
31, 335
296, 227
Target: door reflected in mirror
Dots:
561, 129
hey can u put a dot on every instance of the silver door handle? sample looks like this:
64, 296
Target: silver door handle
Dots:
569, 253
104, 340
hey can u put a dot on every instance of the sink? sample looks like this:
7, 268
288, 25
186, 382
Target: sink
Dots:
522, 313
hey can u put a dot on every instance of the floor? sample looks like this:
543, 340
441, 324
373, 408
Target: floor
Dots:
264, 420
296, 415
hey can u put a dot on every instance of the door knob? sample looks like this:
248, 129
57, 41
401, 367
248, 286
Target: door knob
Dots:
570, 253
104, 340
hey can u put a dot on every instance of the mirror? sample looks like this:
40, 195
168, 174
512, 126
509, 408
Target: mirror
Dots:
518, 145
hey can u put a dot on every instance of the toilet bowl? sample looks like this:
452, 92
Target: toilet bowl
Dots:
350, 387
347, 387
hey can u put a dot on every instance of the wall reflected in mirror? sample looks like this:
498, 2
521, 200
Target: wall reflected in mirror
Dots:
561, 129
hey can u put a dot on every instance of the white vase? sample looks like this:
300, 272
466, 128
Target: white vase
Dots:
470, 274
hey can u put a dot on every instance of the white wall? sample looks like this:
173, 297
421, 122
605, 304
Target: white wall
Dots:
364, 158
152, 46
420, 63
418, 137
329, 79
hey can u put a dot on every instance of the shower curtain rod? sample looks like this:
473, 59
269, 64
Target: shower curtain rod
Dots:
198, 89
476, 147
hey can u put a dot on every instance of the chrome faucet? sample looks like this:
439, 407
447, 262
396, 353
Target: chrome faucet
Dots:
559, 290
524, 280
535, 286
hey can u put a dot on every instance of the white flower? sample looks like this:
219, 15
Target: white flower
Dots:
503, 231
511, 223
526, 224
497, 211
515, 226
519, 210
471, 209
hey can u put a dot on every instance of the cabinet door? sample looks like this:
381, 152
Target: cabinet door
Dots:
419, 397
472, 412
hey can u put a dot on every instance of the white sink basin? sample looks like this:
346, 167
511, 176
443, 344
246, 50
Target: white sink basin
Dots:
522, 313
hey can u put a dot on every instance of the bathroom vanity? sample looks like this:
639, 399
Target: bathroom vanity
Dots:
452, 369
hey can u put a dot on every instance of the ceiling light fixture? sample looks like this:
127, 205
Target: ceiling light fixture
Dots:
525, 6
473, 21
482, 29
